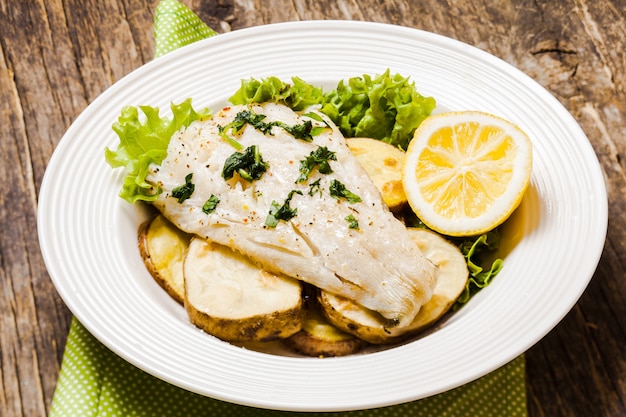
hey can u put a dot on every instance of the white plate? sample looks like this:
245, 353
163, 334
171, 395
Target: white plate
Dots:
88, 234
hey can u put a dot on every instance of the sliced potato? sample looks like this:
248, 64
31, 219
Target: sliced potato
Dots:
370, 326
162, 246
383, 164
319, 338
359, 321
231, 298
452, 279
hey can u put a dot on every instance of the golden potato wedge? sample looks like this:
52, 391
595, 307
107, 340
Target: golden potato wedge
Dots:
383, 164
233, 299
319, 338
370, 326
162, 247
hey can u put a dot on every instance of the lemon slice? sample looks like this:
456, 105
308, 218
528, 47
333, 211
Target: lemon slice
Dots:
466, 172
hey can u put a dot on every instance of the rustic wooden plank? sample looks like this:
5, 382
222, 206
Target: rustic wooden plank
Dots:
341, 10
9, 393
31, 331
40, 80
140, 17
580, 67
17, 307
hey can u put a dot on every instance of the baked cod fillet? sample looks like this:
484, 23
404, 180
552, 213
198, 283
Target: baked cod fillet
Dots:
284, 190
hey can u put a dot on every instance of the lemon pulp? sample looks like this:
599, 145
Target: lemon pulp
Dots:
466, 172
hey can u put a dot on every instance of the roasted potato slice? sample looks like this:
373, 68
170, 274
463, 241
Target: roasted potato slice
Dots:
319, 338
162, 247
370, 326
357, 320
383, 164
233, 299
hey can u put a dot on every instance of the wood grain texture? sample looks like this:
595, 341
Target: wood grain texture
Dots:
57, 56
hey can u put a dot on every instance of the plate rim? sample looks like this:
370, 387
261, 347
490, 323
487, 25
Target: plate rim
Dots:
281, 27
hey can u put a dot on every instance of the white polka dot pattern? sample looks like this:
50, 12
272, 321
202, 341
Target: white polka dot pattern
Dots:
95, 382
176, 26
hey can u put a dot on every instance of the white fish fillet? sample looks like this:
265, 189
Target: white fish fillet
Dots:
377, 264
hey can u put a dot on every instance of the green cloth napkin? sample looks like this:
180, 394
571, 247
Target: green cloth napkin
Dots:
95, 382
176, 26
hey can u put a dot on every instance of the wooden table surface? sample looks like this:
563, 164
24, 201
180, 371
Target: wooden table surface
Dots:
57, 56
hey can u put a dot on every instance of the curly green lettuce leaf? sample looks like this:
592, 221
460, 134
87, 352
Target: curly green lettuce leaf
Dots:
386, 107
144, 142
482, 269
298, 95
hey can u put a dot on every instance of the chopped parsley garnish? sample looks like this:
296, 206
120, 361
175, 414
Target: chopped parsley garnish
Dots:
316, 130
304, 131
338, 190
284, 212
353, 223
210, 205
243, 118
249, 117
183, 192
316, 117
249, 164
315, 188
222, 130
318, 158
